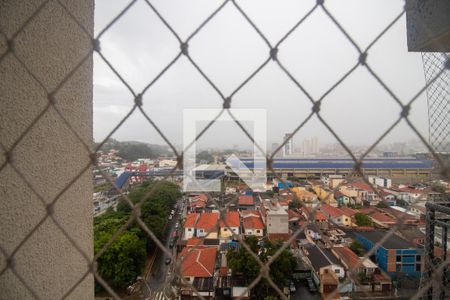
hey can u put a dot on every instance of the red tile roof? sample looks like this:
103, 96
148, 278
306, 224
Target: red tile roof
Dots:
347, 256
201, 197
348, 211
198, 203
142, 168
253, 222
362, 186
293, 214
232, 219
194, 241
407, 218
223, 271
368, 210
331, 211
318, 215
207, 220
246, 200
198, 263
190, 220
382, 218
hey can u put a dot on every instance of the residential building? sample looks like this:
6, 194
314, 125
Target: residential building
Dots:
366, 192
189, 225
246, 202
342, 199
336, 215
380, 181
395, 255
207, 225
312, 231
198, 267
307, 197
413, 234
275, 218
374, 279
325, 195
389, 198
252, 223
382, 219
418, 210
326, 269
231, 225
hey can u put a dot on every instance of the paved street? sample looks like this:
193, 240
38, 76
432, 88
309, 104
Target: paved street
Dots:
303, 293
158, 274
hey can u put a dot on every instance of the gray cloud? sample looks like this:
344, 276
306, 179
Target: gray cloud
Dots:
229, 50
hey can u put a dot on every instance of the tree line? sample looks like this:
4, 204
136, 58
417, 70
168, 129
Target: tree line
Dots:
124, 259
133, 150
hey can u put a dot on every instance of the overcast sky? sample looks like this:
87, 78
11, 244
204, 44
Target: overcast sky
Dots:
229, 50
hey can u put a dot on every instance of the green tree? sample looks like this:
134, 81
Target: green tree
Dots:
357, 247
242, 262
294, 204
283, 266
382, 204
123, 260
362, 220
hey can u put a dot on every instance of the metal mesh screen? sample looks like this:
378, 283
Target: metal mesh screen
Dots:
437, 76
438, 94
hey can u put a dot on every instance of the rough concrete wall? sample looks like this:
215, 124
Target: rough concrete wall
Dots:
428, 25
49, 155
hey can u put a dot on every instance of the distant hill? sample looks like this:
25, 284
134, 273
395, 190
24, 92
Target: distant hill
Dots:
132, 150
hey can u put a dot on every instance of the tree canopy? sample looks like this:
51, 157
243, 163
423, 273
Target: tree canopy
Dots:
243, 263
134, 150
362, 220
124, 259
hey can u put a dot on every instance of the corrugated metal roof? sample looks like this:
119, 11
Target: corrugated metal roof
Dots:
325, 163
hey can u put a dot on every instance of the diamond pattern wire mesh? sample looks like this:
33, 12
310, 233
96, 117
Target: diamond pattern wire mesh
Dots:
438, 94
137, 97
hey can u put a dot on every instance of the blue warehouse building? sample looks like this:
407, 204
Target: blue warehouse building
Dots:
395, 255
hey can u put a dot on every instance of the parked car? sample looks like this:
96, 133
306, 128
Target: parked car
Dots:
311, 286
292, 287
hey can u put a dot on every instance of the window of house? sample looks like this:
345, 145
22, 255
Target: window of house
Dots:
346, 220
258, 231
418, 267
418, 258
326, 271
337, 271
399, 258
189, 229
338, 220
225, 229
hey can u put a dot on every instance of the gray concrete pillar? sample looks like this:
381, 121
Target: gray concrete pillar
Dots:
38, 147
